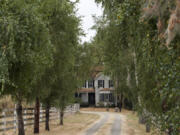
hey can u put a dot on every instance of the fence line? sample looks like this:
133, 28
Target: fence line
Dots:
8, 118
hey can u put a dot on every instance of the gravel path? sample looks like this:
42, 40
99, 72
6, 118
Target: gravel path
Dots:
97, 127
116, 130
104, 117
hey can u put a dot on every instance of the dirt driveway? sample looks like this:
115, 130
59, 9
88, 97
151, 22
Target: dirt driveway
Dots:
113, 123
108, 124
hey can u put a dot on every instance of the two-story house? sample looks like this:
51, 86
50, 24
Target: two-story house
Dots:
97, 91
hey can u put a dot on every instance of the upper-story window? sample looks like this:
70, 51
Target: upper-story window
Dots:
84, 85
91, 84
111, 84
100, 83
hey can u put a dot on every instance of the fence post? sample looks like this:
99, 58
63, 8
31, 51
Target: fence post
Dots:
74, 108
77, 107
40, 112
71, 109
15, 120
25, 118
4, 121
58, 114
33, 115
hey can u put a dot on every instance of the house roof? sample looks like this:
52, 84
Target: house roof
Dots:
82, 90
99, 68
96, 71
106, 89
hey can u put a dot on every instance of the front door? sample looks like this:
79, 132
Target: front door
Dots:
91, 98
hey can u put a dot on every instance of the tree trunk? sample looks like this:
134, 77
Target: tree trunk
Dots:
47, 117
170, 130
142, 119
121, 103
36, 116
136, 72
20, 119
61, 117
148, 128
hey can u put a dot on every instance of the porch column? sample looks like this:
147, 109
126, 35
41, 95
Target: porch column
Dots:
87, 84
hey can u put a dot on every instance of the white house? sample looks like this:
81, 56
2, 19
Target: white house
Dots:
97, 91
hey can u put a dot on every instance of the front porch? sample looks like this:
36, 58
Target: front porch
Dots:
87, 97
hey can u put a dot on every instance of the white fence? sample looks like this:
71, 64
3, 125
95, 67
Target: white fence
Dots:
8, 118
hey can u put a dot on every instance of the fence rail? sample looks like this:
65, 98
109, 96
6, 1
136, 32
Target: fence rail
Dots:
8, 118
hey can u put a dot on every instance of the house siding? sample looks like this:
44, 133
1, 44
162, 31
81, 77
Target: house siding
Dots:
97, 90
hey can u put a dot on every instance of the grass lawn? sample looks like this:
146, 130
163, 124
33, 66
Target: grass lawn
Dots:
130, 124
73, 125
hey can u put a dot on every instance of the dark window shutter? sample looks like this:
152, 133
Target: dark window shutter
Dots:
103, 83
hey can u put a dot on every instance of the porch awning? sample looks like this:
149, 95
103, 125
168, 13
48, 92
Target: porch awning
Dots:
87, 90
106, 89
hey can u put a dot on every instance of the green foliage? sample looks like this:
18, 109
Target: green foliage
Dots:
40, 54
132, 49
26, 44
64, 75
39, 50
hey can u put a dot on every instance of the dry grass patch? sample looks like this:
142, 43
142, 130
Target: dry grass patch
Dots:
97, 109
73, 125
130, 124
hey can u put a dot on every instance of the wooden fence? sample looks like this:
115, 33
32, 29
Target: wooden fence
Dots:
8, 118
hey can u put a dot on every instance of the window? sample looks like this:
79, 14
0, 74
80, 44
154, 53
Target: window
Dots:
100, 83
106, 97
101, 97
111, 84
91, 84
76, 95
84, 85
111, 98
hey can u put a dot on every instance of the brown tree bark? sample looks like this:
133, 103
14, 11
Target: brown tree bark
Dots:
142, 119
20, 119
148, 128
61, 117
36, 116
47, 117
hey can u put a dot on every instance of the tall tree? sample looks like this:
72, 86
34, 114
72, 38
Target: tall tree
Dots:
135, 44
64, 29
26, 40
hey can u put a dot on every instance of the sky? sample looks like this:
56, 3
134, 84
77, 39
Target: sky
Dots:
87, 8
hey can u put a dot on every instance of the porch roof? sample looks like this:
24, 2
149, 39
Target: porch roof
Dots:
106, 89
90, 90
